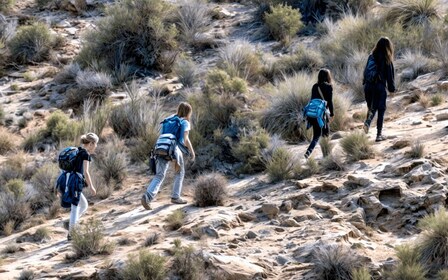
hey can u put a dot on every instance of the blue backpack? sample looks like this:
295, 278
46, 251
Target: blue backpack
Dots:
67, 158
169, 139
69, 183
315, 109
371, 74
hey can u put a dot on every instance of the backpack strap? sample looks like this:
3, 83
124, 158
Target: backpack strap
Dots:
320, 92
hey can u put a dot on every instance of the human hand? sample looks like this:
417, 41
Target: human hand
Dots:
193, 156
93, 191
331, 120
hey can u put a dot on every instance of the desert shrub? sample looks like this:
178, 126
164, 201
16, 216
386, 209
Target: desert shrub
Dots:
95, 117
176, 219
10, 249
43, 3
412, 12
152, 239
312, 167
341, 120
332, 163
112, 162
437, 99
210, 190
357, 146
443, 275
44, 181
89, 85
423, 100
27, 274
16, 186
31, 142
134, 35
221, 83
8, 228
139, 147
145, 265
187, 264
193, 19
284, 115
417, 63
433, 247
6, 5
87, 240
13, 168
7, 31
8, 141
335, 262
2, 115
41, 234
187, 71
302, 59
417, 150
351, 74
441, 52
409, 266
280, 165
361, 274
68, 74
283, 22
13, 210
248, 150
32, 43
326, 146
239, 59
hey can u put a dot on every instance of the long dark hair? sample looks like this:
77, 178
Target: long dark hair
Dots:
384, 49
324, 76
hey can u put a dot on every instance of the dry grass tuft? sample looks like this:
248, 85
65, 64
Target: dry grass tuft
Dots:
210, 190
357, 146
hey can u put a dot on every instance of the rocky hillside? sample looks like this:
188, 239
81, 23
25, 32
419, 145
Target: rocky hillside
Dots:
332, 209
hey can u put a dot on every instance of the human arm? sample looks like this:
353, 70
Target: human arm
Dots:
88, 178
189, 146
390, 77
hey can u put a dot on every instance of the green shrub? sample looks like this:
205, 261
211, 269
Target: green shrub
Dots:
68, 74
437, 99
357, 146
43, 3
187, 264
89, 85
13, 168
8, 228
31, 44
412, 12
433, 247
210, 190
361, 274
41, 234
13, 210
134, 35
44, 181
152, 239
88, 240
280, 165
284, 115
112, 163
239, 59
283, 22
248, 150
139, 147
326, 146
187, 71
443, 275
409, 266
146, 265
176, 219
303, 59
193, 19
16, 186
332, 163
335, 262
417, 150
341, 120
6, 5
8, 141
27, 274
219, 82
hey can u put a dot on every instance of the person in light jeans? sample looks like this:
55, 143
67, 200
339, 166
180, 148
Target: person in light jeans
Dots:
184, 112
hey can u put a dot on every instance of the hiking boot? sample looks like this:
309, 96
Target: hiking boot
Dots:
307, 154
66, 224
380, 138
145, 202
178, 201
365, 127
69, 237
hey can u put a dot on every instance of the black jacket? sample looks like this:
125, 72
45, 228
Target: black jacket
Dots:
327, 92
386, 72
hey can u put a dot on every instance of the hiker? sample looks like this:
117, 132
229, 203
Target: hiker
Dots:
378, 73
322, 90
75, 177
180, 132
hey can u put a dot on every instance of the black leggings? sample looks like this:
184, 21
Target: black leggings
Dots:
376, 101
317, 133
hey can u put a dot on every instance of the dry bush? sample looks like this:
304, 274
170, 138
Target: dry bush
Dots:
41, 234
88, 239
441, 52
68, 74
176, 219
302, 59
8, 228
41, 4
284, 115
280, 165
146, 265
248, 150
361, 274
44, 182
357, 146
187, 264
140, 147
89, 85
335, 262
239, 59
341, 120
2, 115
443, 274
187, 72
193, 19
27, 274
95, 117
152, 239
7, 31
433, 247
13, 209
210, 190
332, 163
326, 146
6, 5
32, 44
112, 162
312, 167
412, 12
417, 63
11, 249
16, 186
409, 267
8, 141
134, 35
13, 168
283, 22
417, 150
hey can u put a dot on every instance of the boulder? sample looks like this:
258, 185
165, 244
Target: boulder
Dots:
234, 267
270, 209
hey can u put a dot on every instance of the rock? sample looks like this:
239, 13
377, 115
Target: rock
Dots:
301, 201
358, 180
442, 117
407, 74
301, 185
416, 122
210, 231
400, 144
251, 235
247, 217
233, 267
40, 113
281, 260
372, 207
337, 135
27, 116
424, 173
443, 85
328, 186
290, 223
63, 24
270, 209
407, 167
357, 218
286, 206
71, 30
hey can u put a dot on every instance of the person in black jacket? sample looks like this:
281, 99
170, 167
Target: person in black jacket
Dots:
375, 89
326, 91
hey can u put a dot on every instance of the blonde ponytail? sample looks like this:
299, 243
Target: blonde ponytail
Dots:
89, 138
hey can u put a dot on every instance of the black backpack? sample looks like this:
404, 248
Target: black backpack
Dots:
371, 73
67, 158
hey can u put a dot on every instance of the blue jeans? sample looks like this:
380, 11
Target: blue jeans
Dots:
376, 96
161, 169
